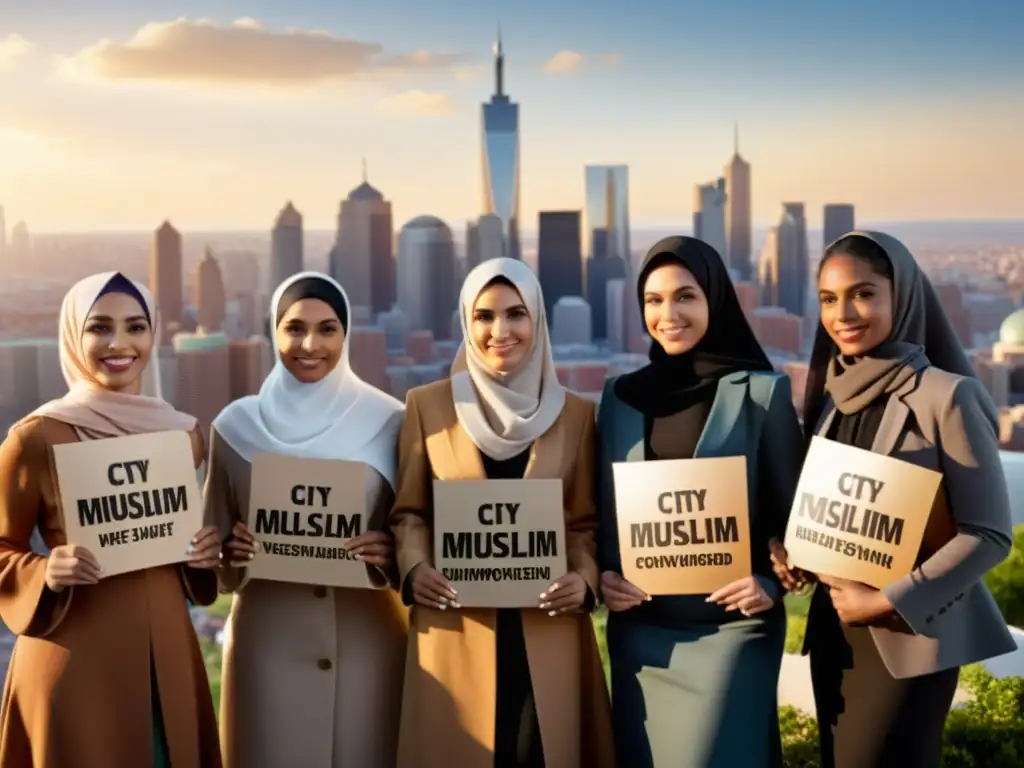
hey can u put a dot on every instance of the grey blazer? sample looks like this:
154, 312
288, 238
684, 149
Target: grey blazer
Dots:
947, 423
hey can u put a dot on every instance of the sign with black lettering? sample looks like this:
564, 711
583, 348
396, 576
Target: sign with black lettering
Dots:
859, 515
683, 523
302, 513
500, 543
133, 501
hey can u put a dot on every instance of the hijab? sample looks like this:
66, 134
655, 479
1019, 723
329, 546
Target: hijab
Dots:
338, 417
504, 413
97, 412
671, 383
921, 336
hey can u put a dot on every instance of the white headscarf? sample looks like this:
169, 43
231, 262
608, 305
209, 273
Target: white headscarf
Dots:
505, 413
338, 417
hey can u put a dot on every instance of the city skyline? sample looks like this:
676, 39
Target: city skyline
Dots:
115, 120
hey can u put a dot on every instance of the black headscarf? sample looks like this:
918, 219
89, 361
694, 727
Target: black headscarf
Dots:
312, 288
671, 383
920, 325
121, 284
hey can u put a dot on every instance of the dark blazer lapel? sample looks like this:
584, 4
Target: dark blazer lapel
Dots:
893, 419
828, 413
720, 429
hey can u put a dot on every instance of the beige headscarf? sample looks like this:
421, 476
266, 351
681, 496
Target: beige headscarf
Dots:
505, 413
95, 411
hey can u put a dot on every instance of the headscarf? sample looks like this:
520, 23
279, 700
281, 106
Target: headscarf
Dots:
670, 383
97, 412
338, 417
504, 413
921, 335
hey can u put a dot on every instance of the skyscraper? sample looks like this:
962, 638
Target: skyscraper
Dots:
802, 267
783, 265
738, 220
500, 150
165, 279
3, 232
286, 251
211, 303
709, 206
559, 258
426, 275
606, 235
839, 220
363, 259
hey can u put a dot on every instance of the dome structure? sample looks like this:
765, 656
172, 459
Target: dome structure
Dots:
1012, 330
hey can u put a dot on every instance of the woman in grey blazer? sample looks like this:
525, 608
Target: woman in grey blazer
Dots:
694, 677
888, 375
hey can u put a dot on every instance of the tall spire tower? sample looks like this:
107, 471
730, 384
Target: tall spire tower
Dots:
738, 210
500, 158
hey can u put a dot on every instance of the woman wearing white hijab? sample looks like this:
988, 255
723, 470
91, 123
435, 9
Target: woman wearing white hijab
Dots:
495, 688
312, 674
106, 671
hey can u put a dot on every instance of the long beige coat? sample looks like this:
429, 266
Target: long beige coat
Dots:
312, 675
448, 712
78, 691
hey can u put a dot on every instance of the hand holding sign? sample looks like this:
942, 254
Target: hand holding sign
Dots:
241, 546
795, 580
856, 603
204, 549
619, 594
373, 548
431, 589
70, 566
745, 595
565, 595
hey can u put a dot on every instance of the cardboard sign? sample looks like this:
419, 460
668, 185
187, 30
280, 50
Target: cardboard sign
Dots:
500, 543
859, 515
133, 501
684, 527
301, 514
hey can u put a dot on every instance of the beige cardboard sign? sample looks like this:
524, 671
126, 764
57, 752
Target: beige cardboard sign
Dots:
500, 543
684, 527
301, 514
859, 515
133, 501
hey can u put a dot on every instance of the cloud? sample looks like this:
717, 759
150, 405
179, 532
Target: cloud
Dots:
246, 52
418, 104
611, 59
565, 62
13, 50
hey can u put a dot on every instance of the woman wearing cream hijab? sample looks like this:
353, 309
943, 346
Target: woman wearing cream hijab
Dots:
105, 671
503, 687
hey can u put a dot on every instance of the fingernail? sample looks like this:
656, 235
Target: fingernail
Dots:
544, 605
543, 595
252, 555
552, 613
189, 550
553, 587
442, 606
456, 605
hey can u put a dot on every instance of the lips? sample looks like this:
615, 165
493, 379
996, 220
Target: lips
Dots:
672, 332
118, 364
308, 362
853, 333
504, 349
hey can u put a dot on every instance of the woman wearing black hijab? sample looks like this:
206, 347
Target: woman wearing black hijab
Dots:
694, 677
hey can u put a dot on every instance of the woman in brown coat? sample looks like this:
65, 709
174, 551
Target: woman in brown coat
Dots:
312, 674
105, 672
502, 687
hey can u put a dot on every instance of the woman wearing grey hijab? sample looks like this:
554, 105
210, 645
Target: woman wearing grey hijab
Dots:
888, 375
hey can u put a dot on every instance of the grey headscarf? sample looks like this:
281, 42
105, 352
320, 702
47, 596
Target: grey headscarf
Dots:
921, 335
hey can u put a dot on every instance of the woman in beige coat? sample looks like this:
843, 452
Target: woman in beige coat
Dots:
494, 688
312, 674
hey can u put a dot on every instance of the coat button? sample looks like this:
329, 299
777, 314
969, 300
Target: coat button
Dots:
324, 664
320, 591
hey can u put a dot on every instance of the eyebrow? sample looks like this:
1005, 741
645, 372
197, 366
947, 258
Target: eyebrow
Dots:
507, 309
855, 286
678, 288
109, 319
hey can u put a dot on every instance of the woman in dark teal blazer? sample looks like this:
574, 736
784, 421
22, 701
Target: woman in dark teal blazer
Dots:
694, 677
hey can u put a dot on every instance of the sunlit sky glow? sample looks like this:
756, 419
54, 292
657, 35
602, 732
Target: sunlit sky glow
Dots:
215, 114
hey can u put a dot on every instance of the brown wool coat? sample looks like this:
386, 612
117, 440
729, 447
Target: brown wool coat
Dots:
78, 692
448, 709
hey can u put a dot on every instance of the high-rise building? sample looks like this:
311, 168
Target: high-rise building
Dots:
801, 270
211, 303
839, 220
738, 217
501, 157
559, 257
426, 269
3, 233
202, 377
783, 268
490, 237
363, 258
286, 250
21, 241
165, 280
709, 206
472, 246
606, 236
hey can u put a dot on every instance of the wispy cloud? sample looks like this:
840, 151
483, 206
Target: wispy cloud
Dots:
247, 52
611, 59
565, 62
13, 50
418, 104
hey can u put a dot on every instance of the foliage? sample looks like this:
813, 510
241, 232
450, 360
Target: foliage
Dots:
799, 738
1006, 581
797, 607
988, 731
